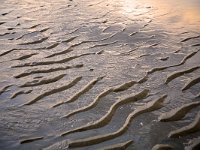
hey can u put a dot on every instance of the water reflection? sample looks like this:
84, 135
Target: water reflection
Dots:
178, 13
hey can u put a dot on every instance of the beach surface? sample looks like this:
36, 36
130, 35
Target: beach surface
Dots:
99, 75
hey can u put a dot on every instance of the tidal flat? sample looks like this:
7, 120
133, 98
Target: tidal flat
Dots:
99, 75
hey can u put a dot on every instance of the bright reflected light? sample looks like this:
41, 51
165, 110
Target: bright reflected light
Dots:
178, 13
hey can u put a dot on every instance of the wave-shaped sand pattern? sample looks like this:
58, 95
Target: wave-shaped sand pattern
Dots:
108, 116
151, 106
76, 73
191, 83
178, 113
48, 70
7, 52
190, 38
181, 63
196, 45
91, 105
129, 84
78, 94
26, 56
44, 81
52, 46
28, 140
4, 89
40, 31
180, 73
60, 53
51, 62
20, 93
55, 90
35, 42
191, 128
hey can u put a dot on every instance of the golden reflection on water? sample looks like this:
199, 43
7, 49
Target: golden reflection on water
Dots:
176, 12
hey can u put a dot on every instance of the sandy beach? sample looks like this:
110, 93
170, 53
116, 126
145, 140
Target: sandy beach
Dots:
99, 75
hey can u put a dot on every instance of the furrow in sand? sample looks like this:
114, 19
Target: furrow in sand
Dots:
6, 52
190, 38
187, 57
51, 62
2, 23
104, 44
178, 113
70, 39
20, 93
48, 70
189, 129
91, 105
34, 26
119, 146
180, 73
3, 34
21, 36
195, 144
162, 147
150, 106
35, 42
144, 79
124, 86
52, 46
43, 30
53, 91
81, 92
26, 56
4, 89
42, 82
129, 84
90, 41
195, 45
108, 116
31, 140
60, 53
179, 64
6, 13
158, 69
191, 83
83, 42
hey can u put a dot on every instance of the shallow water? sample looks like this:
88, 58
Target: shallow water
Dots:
99, 74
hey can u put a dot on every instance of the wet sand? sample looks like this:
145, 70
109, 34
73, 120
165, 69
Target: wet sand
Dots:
100, 75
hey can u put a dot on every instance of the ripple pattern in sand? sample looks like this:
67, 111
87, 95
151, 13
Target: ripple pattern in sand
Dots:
97, 75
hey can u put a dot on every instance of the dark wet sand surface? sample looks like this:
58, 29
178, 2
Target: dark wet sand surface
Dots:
100, 75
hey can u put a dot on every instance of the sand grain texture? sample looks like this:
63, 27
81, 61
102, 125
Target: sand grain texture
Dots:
95, 74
